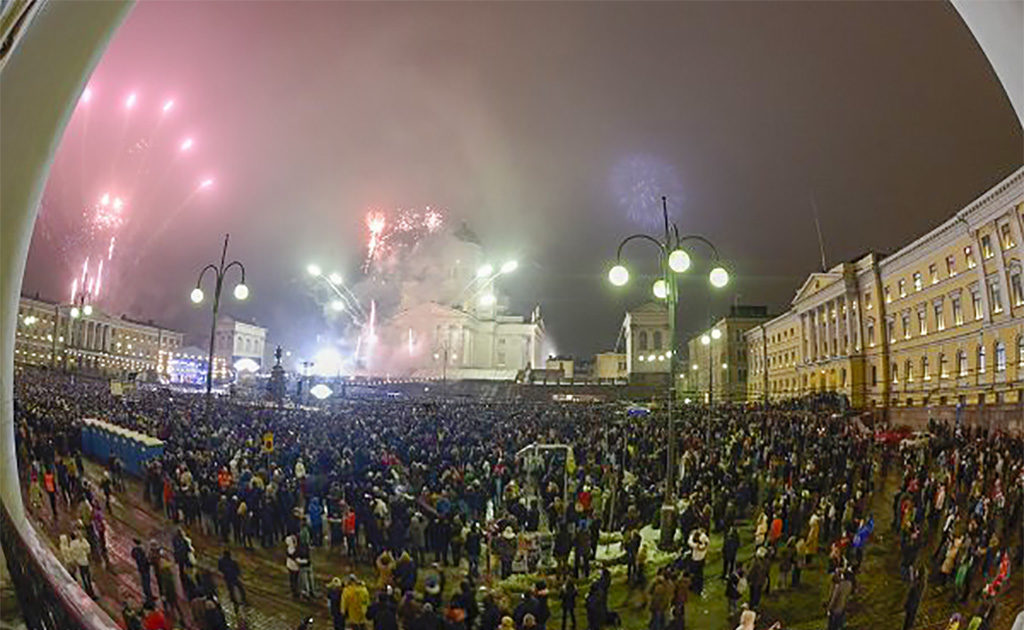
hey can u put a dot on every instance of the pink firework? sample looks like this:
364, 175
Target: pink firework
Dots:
405, 228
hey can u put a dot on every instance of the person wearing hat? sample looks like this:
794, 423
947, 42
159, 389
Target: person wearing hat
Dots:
757, 575
507, 623
384, 612
334, 591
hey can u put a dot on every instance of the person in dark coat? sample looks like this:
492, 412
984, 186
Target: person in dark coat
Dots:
913, 601
730, 547
383, 613
568, 599
143, 565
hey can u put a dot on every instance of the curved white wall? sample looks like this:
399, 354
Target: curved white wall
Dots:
41, 83
998, 27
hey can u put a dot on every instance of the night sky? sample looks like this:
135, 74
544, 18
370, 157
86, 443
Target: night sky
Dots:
546, 127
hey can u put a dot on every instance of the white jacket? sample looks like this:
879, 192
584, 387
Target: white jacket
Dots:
78, 550
698, 545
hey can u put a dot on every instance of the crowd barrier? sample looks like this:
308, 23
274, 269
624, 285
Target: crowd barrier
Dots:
101, 440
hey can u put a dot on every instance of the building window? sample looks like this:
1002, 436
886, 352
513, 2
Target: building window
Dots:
1020, 352
961, 363
922, 322
902, 284
951, 266
943, 366
895, 373
925, 376
908, 371
1007, 236
888, 295
874, 375
1000, 352
986, 247
890, 326
657, 340
871, 333
995, 296
906, 326
940, 317
867, 300
979, 312
958, 311
918, 283
1016, 289
969, 257
933, 273
643, 340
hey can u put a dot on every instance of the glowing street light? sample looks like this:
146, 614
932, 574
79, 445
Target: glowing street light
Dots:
719, 277
716, 333
241, 292
704, 341
679, 261
510, 266
87, 310
314, 270
660, 289
75, 313
335, 278
484, 270
337, 305
618, 275
488, 299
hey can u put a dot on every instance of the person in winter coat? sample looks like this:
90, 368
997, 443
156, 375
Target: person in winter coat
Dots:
383, 613
334, 603
698, 543
913, 601
418, 536
949, 562
385, 569
291, 563
78, 552
730, 547
567, 596
405, 573
316, 521
811, 542
355, 600
168, 586
144, 567
659, 599
232, 578
474, 542
757, 576
842, 587
732, 590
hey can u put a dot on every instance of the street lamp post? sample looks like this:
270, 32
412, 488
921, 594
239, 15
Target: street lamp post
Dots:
705, 341
77, 308
241, 292
672, 259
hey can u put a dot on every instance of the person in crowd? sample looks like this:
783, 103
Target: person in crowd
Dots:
232, 575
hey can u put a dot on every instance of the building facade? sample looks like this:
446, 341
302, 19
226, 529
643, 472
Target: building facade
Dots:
610, 367
92, 340
721, 366
939, 323
236, 340
648, 349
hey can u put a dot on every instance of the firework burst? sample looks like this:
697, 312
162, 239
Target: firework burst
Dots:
406, 227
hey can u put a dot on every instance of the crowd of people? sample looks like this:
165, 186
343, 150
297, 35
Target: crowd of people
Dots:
420, 491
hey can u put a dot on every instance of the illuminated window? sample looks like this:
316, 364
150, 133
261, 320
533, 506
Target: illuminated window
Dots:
1000, 352
940, 317
933, 273
1006, 236
969, 257
890, 326
867, 300
1015, 288
950, 266
924, 369
903, 287
958, 312
943, 367
895, 373
922, 322
981, 360
995, 296
643, 340
888, 295
908, 371
979, 311
1020, 351
905, 320
986, 247
871, 332
918, 284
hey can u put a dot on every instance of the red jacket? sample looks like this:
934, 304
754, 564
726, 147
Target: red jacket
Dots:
155, 620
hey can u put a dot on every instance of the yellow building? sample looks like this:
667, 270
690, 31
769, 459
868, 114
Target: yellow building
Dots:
936, 324
89, 339
721, 365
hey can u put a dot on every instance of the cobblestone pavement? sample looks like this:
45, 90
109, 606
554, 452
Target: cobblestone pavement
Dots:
877, 603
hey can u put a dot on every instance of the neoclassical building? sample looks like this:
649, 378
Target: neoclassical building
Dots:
938, 323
